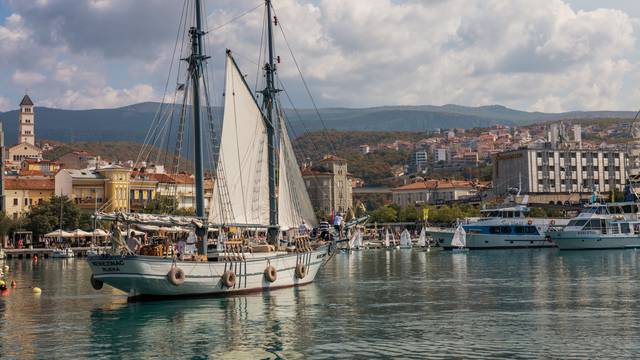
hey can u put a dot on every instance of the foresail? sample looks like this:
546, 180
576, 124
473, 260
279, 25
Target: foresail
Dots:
294, 204
241, 193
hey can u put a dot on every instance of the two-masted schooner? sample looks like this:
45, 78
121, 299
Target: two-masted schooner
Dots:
258, 187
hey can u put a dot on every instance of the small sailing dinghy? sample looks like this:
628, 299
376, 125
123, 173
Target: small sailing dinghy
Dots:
387, 238
359, 240
405, 240
459, 241
422, 240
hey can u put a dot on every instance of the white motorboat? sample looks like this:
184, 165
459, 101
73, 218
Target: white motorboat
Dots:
62, 253
252, 191
601, 226
507, 227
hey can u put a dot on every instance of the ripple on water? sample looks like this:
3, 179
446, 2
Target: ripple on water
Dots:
370, 304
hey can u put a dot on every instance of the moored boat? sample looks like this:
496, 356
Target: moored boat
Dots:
507, 227
258, 191
601, 226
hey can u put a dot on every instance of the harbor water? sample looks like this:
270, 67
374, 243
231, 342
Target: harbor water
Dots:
367, 304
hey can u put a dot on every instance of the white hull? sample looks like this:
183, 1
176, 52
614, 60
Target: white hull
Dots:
146, 276
491, 241
585, 240
63, 254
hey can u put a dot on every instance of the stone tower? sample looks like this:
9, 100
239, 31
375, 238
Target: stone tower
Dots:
26, 132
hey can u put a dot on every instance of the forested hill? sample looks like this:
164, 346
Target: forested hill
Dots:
130, 123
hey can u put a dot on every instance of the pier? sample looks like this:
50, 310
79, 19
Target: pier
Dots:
45, 253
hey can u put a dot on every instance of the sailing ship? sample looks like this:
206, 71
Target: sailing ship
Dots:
258, 189
422, 239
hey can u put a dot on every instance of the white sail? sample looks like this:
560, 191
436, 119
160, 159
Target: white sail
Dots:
294, 204
358, 244
387, 238
353, 240
243, 194
459, 237
405, 239
422, 240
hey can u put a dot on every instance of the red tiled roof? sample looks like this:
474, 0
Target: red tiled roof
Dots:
29, 184
436, 184
332, 158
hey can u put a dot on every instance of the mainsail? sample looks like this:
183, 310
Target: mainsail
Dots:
405, 239
422, 240
242, 165
294, 204
241, 191
459, 238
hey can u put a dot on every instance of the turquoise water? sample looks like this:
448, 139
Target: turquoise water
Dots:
370, 304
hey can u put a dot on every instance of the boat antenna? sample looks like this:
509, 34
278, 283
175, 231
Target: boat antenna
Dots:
268, 99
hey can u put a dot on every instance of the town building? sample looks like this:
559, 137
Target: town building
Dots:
142, 190
365, 149
182, 187
549, 170
329, 186
441, 154
34, 166
78, 160
23, 192
433, 192
26, 147
417, 162
104, 189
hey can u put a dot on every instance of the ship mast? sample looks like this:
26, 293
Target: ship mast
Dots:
268, 99
195, 61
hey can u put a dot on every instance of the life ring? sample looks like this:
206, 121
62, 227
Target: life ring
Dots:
229, 279
95, 283
301, 271
270, 274
176, 276
530, 222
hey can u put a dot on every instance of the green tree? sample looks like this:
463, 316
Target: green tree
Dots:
409, 214
384, 214
58, 212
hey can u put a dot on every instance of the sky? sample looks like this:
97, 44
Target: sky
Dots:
535, 55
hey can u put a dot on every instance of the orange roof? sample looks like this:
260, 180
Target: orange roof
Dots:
332, 158
436, 184
29, 184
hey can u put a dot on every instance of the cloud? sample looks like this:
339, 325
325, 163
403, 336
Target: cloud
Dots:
99, 98
5, 104
530, 54
27, 78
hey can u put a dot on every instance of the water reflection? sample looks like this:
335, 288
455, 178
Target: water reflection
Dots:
487, 304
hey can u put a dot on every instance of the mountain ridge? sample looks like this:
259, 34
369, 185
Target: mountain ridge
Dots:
131, 122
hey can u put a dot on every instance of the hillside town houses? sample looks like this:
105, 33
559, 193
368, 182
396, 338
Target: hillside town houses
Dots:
551, 162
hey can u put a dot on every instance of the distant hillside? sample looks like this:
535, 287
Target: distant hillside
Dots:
115, 151
130, 123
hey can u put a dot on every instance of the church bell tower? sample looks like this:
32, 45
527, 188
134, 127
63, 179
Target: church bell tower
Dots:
26, 132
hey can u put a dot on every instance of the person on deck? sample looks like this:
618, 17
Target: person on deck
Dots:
337, 223
323, 227
302, 230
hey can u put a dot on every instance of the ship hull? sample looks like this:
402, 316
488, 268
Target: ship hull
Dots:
491, 241
143, 277
569, 240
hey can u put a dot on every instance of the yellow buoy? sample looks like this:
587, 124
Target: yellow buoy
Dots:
37, 290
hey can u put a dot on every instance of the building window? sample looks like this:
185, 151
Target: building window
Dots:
15, 202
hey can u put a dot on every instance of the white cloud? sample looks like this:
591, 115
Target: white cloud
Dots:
27, 78
106, 97
5, 104
528, 54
